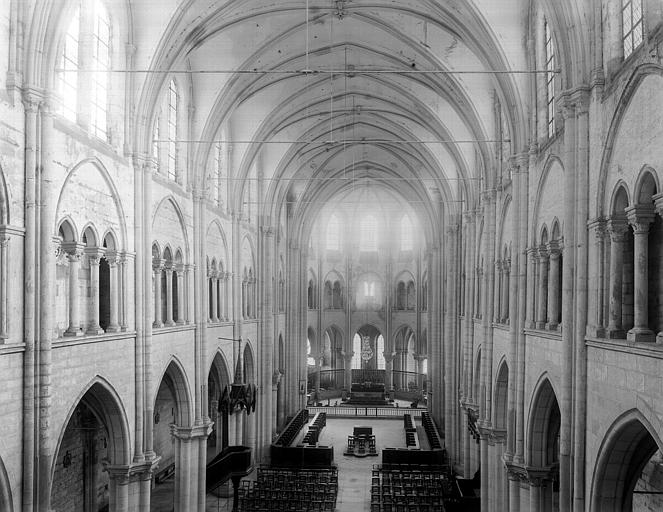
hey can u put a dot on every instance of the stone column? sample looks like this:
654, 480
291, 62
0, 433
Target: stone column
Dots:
181, 303
215, 297
596, 263
535, 501
554, 286
640, 217
419, 358
4, 284
658, 202
94, 256
530, 321
118, 492
543, 288
226, 301
169, 296
318, 369
113, 264
189, 293
157, 267
389, 373
74, 253
496, 291
187, 452
124, 292
616, 229
506, 271
348, 370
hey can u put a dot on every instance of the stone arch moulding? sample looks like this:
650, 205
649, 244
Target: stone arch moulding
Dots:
642, 181
91, 229
6, 500
173, 202
552, 162
609, 470
621, 185
69, 228
175, 371
543, 390
219, 363
222, 234
106, 404
334, 327
4, 199
101, 169
637, 76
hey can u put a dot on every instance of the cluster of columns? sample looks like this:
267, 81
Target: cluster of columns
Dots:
117, 263
501, 302
175, 312
628, 314
218, 285
249, 297
545, 274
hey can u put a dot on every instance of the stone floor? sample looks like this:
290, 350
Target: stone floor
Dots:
354, 474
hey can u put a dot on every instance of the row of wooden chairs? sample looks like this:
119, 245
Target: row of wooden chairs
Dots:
434, 437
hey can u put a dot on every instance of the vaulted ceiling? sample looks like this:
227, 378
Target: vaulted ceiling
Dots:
318, 95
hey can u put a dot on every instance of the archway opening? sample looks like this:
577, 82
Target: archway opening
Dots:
629, 476
94, 438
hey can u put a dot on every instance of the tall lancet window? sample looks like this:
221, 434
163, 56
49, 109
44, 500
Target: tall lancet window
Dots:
368, 234
69, 65
100, 75
550, 78
632, 25
333, 234
173, 105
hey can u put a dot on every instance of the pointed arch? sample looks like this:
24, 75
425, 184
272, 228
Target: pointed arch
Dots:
100, 397
543, 425
249, 369
167, 233
646, 185
174, 377
628, 445
72, 175
501, 391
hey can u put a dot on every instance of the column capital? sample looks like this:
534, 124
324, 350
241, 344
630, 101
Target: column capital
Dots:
113, 257
554, 249
388, 357
543, 252
658, 203
191, 433
616, 228
94, 254
179, 267
158, 264
599, 226
348, 356
640, 216
73, 250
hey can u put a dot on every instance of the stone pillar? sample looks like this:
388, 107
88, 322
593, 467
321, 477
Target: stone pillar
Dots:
496, 291
124, 290
506, 271
348, 370
554, 286
94, 256
181, 303
596, 298
189, 293
543, 289
118, 492
157, 267
640, 217
318, 369
535, 495
113, 265
187, 442
616, 229
169, 296
74, 253
530, 321
389, 373
214, 315
658, 202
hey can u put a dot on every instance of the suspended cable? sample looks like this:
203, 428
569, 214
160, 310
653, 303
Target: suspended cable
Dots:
307, 71
334, 142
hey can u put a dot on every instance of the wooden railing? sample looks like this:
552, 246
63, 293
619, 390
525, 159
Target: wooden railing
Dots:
374, 412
